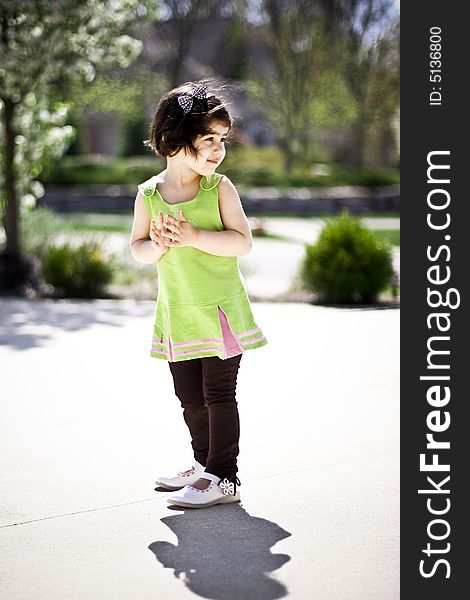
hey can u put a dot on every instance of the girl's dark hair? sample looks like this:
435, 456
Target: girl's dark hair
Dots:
172, 129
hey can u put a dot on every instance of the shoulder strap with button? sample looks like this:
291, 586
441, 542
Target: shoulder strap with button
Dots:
209, 182
148, 187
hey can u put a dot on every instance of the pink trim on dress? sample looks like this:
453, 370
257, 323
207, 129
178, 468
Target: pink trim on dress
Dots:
161, 342
158, 351
232, 345
170, 349
254, 340
195, 351
196, 342
249, 332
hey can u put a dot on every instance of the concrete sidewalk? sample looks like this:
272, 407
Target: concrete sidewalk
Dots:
88, 419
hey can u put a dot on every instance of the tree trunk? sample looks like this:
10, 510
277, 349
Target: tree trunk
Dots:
288, 160
11, 206
360, 137
19, 275
287, 155
386, 146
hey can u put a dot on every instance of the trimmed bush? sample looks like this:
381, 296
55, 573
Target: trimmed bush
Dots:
348, 264
101, 169
77, 272
248, 166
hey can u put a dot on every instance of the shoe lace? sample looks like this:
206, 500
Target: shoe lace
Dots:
236, 482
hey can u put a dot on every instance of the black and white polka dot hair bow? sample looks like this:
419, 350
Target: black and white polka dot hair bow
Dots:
186, 99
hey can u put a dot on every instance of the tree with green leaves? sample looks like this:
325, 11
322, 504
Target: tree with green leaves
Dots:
385, 98
364, 36
44, 44
299, 85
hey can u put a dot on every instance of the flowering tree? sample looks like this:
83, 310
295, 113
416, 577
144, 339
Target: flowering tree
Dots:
44, 44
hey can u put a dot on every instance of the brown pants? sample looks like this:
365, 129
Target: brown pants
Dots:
206, 389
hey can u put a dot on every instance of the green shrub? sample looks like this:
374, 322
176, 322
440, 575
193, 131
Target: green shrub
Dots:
253, 177
247, 166
101, 169
348, 264
78, 272
38, 228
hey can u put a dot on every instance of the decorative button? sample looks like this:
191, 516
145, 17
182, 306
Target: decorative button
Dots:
207, 183
227, 487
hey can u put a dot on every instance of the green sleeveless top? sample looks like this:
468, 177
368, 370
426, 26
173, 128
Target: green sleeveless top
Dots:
195, 288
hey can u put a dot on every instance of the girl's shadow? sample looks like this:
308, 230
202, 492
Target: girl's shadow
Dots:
223, 553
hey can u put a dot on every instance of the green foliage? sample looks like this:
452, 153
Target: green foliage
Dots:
132, 135
108, 93
363, 177
253, 176
77, 272
247, 166
348, 263
236, 45
123, 93
83, 170
38, 229
329, 69
392, 235
366, 45
333, 106
300, 85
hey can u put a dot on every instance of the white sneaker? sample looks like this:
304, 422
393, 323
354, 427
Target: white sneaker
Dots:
218, 492
178, 480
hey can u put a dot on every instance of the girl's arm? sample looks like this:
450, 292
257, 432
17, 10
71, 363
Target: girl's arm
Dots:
235, 240
142, 248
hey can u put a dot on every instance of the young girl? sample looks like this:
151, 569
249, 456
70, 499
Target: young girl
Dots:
189, 219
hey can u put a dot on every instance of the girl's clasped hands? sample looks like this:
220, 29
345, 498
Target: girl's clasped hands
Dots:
168, 232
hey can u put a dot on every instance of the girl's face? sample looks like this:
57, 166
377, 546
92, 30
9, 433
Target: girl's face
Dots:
210, 150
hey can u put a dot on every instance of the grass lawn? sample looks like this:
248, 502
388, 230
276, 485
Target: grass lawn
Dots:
105, 222
393, 235
119, 223
323, 215
104, 228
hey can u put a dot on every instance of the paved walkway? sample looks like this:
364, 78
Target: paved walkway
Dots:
88, 419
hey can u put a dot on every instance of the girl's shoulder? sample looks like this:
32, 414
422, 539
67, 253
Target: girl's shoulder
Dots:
147, 188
